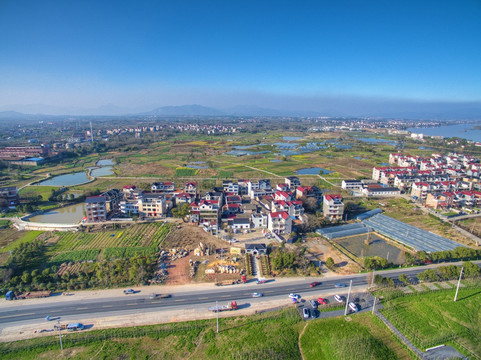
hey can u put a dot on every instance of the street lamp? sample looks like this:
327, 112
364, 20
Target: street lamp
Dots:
59, 334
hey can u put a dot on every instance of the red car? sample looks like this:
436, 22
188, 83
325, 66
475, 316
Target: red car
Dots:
322, 301
315, 283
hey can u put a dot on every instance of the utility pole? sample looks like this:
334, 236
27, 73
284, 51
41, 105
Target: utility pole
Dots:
217, 310
91, 133
348, 296
374, 305
59, 335
372, 280
459, 283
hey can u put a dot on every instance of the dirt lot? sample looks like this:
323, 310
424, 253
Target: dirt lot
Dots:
178, 272
189, 236
321, 250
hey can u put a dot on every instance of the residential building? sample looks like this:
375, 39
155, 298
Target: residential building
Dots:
259, 220
333, 207
95, 208
8, 196
279, 222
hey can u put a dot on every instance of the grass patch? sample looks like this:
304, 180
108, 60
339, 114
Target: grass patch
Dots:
34, 191
362, 338
433, 318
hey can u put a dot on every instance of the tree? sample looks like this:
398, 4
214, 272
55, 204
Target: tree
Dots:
404, 279
330, 263
471, 269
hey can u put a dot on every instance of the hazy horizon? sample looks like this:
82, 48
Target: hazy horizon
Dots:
343, 58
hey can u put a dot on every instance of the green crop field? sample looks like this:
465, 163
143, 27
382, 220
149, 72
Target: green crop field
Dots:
33, 191
434, 318
185, 172
26, 236
364, 337
135, 239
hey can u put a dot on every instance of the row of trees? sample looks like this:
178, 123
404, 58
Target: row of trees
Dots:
461, 253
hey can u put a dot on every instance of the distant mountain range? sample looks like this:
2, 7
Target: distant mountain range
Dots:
374, 108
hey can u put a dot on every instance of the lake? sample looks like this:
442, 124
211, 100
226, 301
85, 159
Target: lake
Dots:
67, 180
292, 138
102, 171
464, 131
67, 215
105, 162
313, 171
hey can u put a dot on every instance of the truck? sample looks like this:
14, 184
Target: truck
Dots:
228, 307
227, 282
27, 295
244, 279
159, 296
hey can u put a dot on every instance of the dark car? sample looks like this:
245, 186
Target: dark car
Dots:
129, 291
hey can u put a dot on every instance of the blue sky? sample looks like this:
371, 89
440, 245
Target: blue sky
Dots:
224, 53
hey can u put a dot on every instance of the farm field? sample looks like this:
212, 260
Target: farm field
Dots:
430, 319
364, 337
136, 239
11, 238
267, 336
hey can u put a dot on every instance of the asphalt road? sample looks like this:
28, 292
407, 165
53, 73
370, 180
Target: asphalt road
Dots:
240, 293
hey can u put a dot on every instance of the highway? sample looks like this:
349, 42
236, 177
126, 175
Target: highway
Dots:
187, 299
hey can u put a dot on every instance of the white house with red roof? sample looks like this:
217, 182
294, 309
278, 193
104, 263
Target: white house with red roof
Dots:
333, 207
279, 222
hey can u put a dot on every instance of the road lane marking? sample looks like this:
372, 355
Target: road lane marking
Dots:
1, 317
132, 304
224, 296
271, 291
83, 308
203, 298
180, 300
107, 306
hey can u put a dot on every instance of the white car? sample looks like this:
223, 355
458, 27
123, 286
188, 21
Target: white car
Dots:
353, 307
256, 294
295, 296
339, 298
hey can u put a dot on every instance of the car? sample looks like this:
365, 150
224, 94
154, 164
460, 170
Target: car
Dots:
306, 313
339, 298
261, 281
313, 303
322, 301
295, 296
340, 285
256, 294
129, 291
315, 314
313, 284
353, 307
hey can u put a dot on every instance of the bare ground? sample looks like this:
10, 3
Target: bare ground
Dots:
178, 272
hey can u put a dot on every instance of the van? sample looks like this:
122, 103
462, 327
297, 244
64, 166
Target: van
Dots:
75, 327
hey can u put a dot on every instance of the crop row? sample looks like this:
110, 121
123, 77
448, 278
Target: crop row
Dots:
122, 253
134, 236
75, 256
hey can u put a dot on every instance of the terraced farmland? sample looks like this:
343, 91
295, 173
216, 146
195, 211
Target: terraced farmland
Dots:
137, 239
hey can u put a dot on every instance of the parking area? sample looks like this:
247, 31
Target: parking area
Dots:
312, 307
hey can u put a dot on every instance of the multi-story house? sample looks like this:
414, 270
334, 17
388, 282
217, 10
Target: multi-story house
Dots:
279, 222
191, 188
113, 197
163, 187
8, 196
152, 205
230, 187
292, 182
259, 220
95, 208
333, 207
